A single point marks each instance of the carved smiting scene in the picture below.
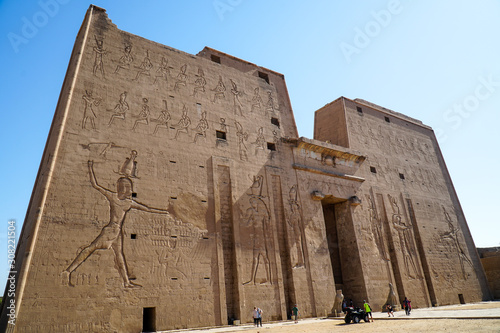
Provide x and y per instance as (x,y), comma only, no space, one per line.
(454,236)
(111,236)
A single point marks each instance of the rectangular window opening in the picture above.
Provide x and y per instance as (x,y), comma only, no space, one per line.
(387,119)
(271,146)
(220,135)
(264,76)
(402,176)
(134,195)
(359,109)
(215,58)
(133,236)
(275,121)
(373,170)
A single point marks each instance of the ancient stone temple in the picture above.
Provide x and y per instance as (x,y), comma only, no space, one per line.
(174,192)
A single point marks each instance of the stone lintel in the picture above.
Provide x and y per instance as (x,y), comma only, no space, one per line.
(325,148)
(303,167)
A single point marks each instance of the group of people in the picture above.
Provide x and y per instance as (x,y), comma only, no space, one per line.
(257,312)
(407,306)
(368,310)
(257,315)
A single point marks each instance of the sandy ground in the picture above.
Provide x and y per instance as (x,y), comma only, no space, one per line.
(478,317)
(399,326)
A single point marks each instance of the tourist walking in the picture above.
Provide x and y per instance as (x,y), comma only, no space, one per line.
(255,315)
(295,312)
(389,310)
(406,306)
(368,310)
(259,317)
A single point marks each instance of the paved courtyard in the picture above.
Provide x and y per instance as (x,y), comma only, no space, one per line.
(477,317)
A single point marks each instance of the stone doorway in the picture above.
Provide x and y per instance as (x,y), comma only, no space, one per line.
(330,206)
(149,320)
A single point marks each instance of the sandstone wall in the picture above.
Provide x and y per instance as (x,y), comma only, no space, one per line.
(410,227)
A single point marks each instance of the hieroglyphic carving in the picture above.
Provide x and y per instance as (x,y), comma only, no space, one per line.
(260,142)
(199,83)
(129,166)
(376,227)
(405,240)
(183,124)
(120,109)
(126,59)
(181,78)
(270,107)
(177,246)
(256,100)
(276,136)
(111,236)
(257,217)
(223,125)
(295,224)
(144,67)
(88,113)
(99,53)
(454,236)
(144,115)
(163,70)
(107,146)
(219,90)
(236,97)
(201,128)
(163,118)
(242,137)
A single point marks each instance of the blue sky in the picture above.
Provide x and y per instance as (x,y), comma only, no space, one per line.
(437,61)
